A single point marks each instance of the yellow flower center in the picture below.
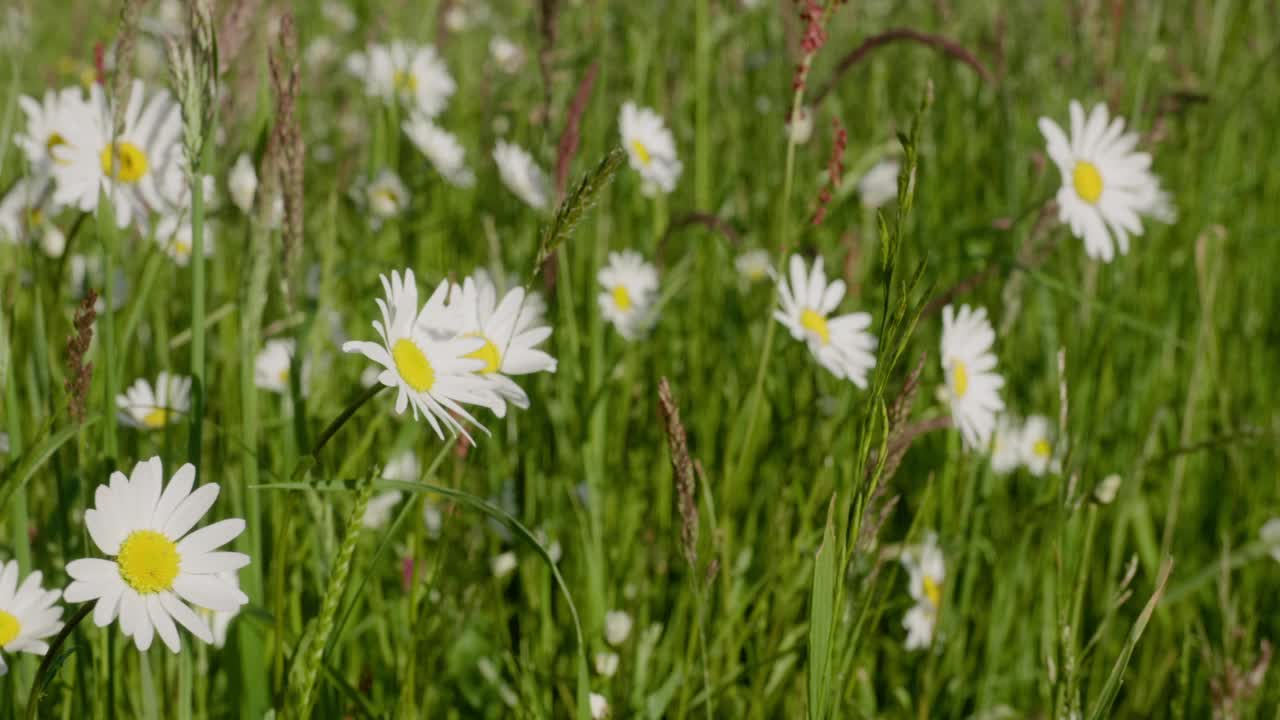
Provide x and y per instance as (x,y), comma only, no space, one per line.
(35,217)
(55,139)
(1088,181)
(284,376)
(385,199)
(127,164)
(621,298)
(489,354)
(932,591)
(148,561)
(959,378)
(157,418)
(413,366)
(88,77)
(9,628)
(641,152)
(405,81)
(182,248)
(1041,448)
(816,324)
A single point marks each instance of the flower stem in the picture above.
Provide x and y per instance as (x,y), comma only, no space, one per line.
(38,685)
(197,311)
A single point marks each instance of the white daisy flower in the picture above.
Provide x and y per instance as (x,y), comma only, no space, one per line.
(1006,445)
(142,407)
(441,149)
(1270,536)
(415,74)
(504,564)
(378,511)
(320,52)
(630,290)
(973,386)
(134,170)
(617,627)
(23,217)
(841,344)
(220,620)
(800,126)
(28,613)
(242,183)
(1106,491)
(1035,446)
(386,197)
(599,706)
(1106,186)
(403,467)
(431,373)
(507,55)
(926,572)
(753,265)
(522,175)
(51,123)
(273,364)
(650,148)
(339,15)
(606,663)
(159,562)
(507,350)
(176,237)
(880,185)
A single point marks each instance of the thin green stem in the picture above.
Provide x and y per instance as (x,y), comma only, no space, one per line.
(197,312)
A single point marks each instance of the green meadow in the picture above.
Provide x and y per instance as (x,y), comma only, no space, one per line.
(680,510)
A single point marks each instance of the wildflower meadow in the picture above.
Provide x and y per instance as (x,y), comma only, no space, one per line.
(651,359)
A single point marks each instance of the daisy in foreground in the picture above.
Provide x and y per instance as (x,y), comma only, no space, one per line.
(841,344)
(1106,186)
(433,373)
(159,562)
(630,289)
(650,148)
(973,385)
(28,613)
(926,571)
(142,407)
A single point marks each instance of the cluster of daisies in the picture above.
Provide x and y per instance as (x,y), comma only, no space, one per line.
(461,347)
(76,154)
(160,571)
(415,79)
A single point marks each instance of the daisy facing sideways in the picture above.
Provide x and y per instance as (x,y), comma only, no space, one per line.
(926,572)
(508,349)
(630,290)
(432,373)
(142,407)
(49,123)
(274,363)
(1106,185)
(841,344)
(28,613)
(522,175)
(973,385)
(650,148)
(158,561)
(442,150)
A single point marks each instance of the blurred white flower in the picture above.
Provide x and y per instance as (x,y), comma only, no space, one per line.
(606,663)
(800,127)
(508,55)
(441,149)
(386,197)
(414,74)
(504,564)
(378,511)
(926,570)
(1036,446)
(1006,447)
(339,15)
(1107,489)
(522,175)
(599,707)
(617,627)
(880,184)
(753,265)
(242,183)
(630,290)
(1270,536)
